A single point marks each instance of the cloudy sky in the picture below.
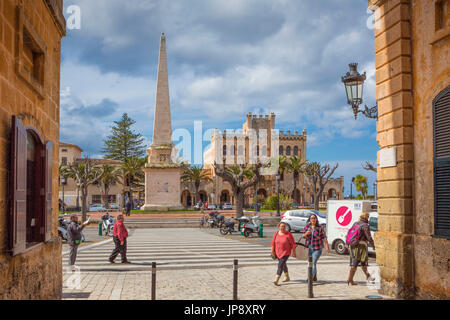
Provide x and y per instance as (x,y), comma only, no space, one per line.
(225,58)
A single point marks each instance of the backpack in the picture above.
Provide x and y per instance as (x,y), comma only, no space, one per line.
(354,235)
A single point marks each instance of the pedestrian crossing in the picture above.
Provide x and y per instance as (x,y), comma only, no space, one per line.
(180,248)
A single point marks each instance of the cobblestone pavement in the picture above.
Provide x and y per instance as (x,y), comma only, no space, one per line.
(188,280)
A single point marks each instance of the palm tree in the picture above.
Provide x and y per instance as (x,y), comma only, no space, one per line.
(85,173)
(361,185)
(63,174)
(296,166)
(110,176)
(196,175)
(133,175)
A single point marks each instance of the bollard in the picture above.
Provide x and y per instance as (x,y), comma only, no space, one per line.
(235,279)
(99,228)
(240,228)
(310,278)
(260,230)
(153,280)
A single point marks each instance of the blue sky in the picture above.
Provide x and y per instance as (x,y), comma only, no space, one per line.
(225,59)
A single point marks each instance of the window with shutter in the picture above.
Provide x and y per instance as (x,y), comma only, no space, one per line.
(48,190)
(30,189)
(18,188)
(441,114)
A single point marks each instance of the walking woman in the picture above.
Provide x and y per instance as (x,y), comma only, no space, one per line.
(359,253)
(316,237)
(283,245)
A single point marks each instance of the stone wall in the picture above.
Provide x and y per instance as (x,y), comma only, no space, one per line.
(35,274)
(412,67)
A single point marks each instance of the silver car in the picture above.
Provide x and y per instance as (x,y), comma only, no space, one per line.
(296,219)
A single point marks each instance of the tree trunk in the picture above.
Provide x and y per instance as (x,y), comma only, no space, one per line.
(295,189)
(239,197)
(83,204)
(78,198)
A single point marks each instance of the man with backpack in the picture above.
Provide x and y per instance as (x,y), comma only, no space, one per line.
(358,238)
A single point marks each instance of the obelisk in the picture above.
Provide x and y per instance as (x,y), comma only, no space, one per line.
(162,175)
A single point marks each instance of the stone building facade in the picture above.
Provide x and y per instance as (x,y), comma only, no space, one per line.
(68,192)
(30,55)
(412,60)
(236,148)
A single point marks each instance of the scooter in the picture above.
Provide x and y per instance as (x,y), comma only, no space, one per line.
(228,227)
(215,219)
(107,224)
(62,229)
(251,227)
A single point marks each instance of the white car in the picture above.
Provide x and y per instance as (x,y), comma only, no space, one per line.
(227,206)
(97,208)
(296,219)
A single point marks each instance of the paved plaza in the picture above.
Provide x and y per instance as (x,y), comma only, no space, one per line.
(196,264)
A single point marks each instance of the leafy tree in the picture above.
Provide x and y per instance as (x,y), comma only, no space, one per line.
(85,173)
(361,185)
(196,175)
(271,203)
(240,177)
(123,142)
(318,176)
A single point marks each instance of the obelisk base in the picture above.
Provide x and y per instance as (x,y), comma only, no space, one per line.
(162,188)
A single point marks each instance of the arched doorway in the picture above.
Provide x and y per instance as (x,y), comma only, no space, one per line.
(225,197)
(203,196)
(186,198)
(262,195)
(332,194)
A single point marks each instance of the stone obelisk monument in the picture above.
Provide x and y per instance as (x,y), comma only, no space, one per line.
(162,175)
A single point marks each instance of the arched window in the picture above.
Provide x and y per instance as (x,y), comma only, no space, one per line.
(441,125)
(281,151)
(224,150)
(288,151)
(295,151)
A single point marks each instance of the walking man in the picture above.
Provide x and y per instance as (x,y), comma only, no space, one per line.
(128,208)
(120,235)
(74,238)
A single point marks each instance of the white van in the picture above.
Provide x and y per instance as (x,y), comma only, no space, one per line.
(341,214)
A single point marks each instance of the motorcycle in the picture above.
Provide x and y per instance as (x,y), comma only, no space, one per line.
(251,227)
(228,227)
(62,229)
(215,220)
(107,224)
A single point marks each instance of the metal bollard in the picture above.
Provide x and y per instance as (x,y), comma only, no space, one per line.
(235,279)
(310,278)
(153,280)
(99,228)
(261,234)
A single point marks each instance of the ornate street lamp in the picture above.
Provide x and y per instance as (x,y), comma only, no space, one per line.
(278,175)
(354,82)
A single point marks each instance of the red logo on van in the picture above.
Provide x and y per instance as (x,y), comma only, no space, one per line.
(343,216)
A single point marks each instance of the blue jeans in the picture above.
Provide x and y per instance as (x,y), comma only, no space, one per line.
(315,256)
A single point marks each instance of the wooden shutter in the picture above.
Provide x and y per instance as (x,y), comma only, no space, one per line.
(18,188)
(441,112)
(48,190)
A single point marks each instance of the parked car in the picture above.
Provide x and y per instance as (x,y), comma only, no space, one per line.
(296,219)
(212,206)
(227,206)
(295,205)
(114,206)
(97,208)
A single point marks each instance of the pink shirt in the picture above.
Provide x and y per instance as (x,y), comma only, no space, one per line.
(283,243)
